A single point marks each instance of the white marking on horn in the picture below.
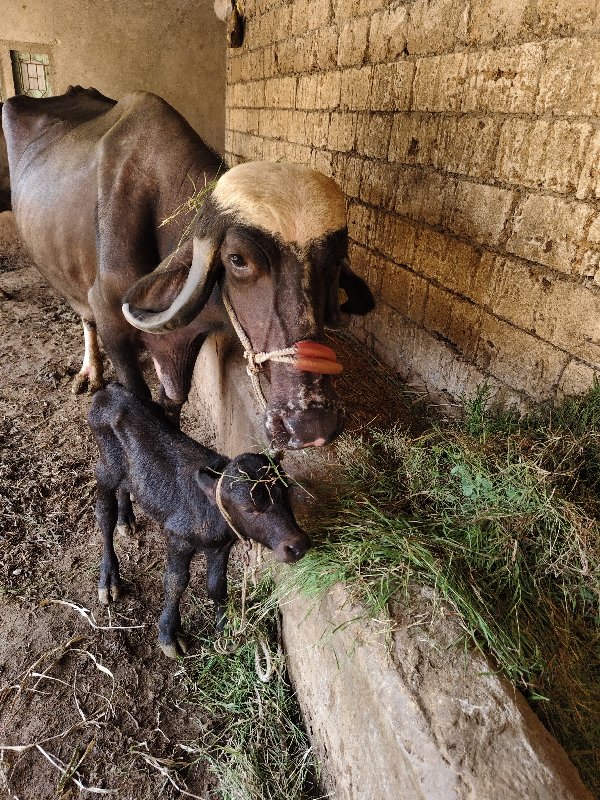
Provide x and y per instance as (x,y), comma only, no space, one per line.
(297,203)
(152,323)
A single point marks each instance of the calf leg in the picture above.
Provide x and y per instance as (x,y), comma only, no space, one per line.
(216,582)
(177,576)
(90,374)
(126,523)
(109,585)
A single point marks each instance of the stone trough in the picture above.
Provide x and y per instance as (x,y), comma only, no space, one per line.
(397,714)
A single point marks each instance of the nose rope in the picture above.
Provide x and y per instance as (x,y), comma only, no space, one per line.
(255,360)
(306,355)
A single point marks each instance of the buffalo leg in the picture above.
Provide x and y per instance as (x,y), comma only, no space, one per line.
(90,375)
(170,407)
(177,576)
(119,340)
(109,585)
(126,523)
(216,582)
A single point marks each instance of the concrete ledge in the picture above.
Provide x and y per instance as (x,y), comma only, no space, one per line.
(393,713)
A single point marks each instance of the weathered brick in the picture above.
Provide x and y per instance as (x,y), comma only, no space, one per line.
(243,119)
(324,49)
(439,82)
(466,145)
(342,131)
(387,34)
(378,184)
(424,195)
(577,378)
(570,79)
(362,224)
(549,230)
(328,91)
(317,128)
(568,315)
(503,80)
(567,17)
(434,25)
(318,91)
(445,259)
(347,171)
(588,184)
(318,13)
(499,21)
(345,9)
(543,154)
(356,89)
(514,289)
(480,212)
(322,160)
(458,321)
(373,134)
(391,86)
(280,92)
(246,95)
(590,262)
(413,138)
(502,346)
(274,124)
(404,291)
(352,43)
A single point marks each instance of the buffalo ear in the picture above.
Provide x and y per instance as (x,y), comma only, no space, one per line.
(175,292)
(360,299)
(207,483)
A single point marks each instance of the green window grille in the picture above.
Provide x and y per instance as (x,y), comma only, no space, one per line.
(31,73)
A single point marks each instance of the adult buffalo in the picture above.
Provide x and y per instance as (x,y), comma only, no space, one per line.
(92,179)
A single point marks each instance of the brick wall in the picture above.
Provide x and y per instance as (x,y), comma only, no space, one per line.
(465,134)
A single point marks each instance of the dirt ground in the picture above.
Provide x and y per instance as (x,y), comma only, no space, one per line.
(104,701)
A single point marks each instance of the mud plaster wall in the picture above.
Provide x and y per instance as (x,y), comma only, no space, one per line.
(467,140)
(175,49)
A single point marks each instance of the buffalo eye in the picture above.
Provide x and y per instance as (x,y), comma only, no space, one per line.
(236,260)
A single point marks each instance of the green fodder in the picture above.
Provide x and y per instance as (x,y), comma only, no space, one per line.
(254,742)
(500,516)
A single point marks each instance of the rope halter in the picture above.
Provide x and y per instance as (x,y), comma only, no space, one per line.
(225,513)
(305,355)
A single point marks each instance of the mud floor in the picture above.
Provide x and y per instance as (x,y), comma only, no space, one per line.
(105,701)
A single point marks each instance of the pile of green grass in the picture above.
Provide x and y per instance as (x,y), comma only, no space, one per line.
(500,515)
(253,740)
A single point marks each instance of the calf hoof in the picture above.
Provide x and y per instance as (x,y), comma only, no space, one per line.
(127,529)
(174,649)
(110,592)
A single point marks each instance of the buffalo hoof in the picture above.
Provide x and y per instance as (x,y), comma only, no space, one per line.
(175,649)
(84,382)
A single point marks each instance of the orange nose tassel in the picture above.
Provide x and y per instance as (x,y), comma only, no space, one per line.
(315,357)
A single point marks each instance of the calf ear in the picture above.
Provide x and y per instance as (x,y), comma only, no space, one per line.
(207,482)
(359,297)
(175,293)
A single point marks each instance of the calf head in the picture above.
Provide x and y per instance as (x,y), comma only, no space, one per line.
(254,494)
(276,236)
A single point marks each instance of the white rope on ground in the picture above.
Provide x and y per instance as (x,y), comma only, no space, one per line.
(225,646)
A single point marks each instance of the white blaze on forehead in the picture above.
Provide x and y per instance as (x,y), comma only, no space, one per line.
(297,203)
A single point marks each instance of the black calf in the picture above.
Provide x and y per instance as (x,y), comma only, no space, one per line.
(174,480)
